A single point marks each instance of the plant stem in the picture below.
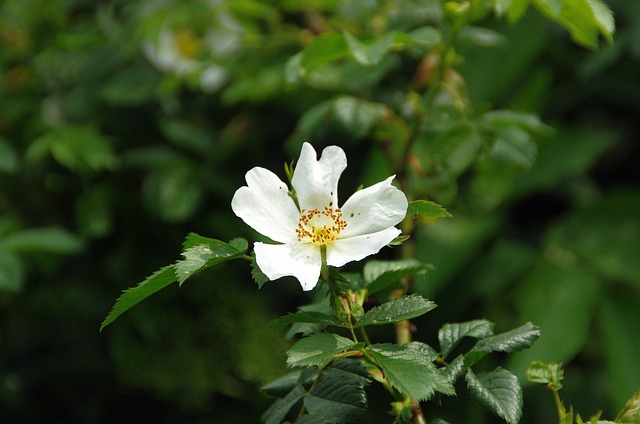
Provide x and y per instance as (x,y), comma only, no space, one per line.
(559,406)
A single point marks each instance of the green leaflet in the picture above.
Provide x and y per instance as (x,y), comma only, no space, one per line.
(499,392)
(406,307)
(131,297)
(310,317)
(409,368)
(317,349)
(199,253)
(44,239)
(333,395)
(281,407)
(509,341)
(428,209)
(379,275)
(450,335)
(338,396)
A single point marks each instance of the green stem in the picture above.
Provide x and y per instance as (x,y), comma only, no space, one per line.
(559,406)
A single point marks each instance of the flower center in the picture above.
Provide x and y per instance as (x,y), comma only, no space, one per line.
(320,227)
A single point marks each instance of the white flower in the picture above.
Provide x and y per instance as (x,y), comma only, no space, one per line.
(361,227)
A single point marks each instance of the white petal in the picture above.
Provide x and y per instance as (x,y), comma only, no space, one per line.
(265,205)
(352,249)
(373,209)
(316,181)
(298,260)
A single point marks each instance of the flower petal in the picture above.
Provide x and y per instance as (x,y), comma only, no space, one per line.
(352,249)
(316,181)
(373,209)
(265,205)
(296,259)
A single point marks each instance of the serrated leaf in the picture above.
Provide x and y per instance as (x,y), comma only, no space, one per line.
(256,273)
(398,240)
(510,341)
(498,391)
(454,369)
(310,317)
(428,209)
(396,310)
(281,407)
(317,349)
(450,335)
(239,243)
(338,396)
(131,297)
(409,368)
(379,275)
(203,252)
(550,374)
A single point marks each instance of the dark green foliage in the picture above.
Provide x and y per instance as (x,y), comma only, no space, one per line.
(108,159)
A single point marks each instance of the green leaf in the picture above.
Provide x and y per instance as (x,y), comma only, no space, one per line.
(406,307)
(499,391)
(378,275)
(131,297)
(338,396)
(550,374)
(372,53)
(308,317)
(256,273)
(11,272)
(399,240)
(356,116)
(510,341)
(426,36)
(323,49)
(46,239)
(409,368)
(281,407)
(630,413)
(317,349)
(455,369)
(77,148)
(427,209)
(584,19)
(450,335)
(203,253)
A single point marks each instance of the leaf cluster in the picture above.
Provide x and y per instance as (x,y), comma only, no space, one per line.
(413,370)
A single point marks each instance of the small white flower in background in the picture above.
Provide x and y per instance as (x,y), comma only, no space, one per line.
(361,227)
(180,51)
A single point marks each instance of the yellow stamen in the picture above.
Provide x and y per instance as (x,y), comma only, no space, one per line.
(320,227)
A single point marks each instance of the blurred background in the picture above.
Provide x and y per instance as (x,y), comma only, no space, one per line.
(126,125)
